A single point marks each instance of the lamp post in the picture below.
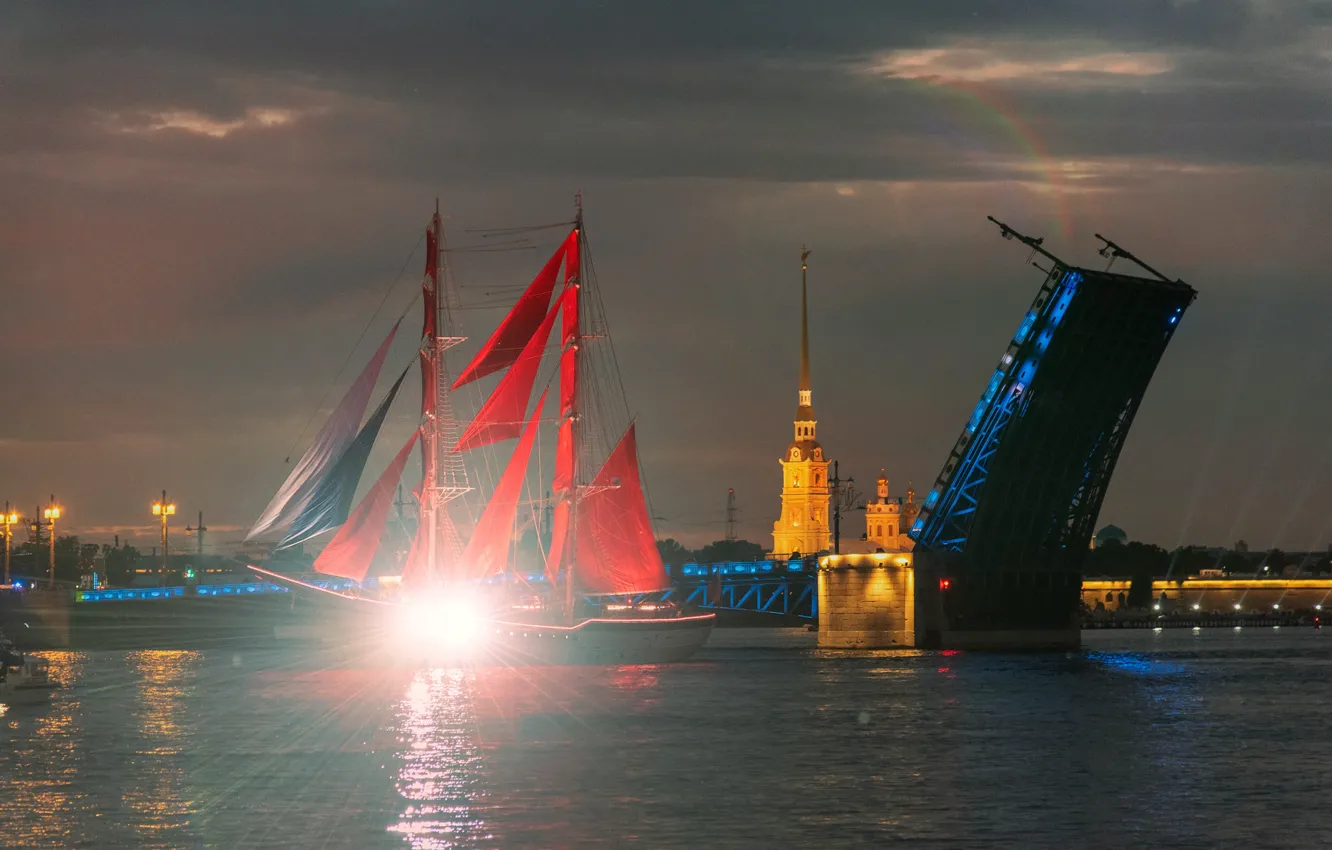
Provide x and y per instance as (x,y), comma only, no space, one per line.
(202,528)
(52,513)
(844,496)
(10,517)
(164,509)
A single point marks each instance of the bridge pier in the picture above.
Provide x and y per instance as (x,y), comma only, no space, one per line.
(894,601)
(867,601)
(1005,610)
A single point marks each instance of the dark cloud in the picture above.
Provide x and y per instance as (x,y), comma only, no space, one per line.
(396,36)
(204,208)
(765,91)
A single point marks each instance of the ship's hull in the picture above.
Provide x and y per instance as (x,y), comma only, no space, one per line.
(333,620)
(502,643)
(600,641)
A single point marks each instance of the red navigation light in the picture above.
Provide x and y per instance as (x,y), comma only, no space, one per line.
(945,583)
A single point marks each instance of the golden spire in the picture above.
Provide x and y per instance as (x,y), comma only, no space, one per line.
(804,328)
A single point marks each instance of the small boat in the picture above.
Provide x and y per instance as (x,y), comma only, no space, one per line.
(23,680)
(600,590)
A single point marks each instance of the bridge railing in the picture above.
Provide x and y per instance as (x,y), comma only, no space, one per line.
(763,587)
(738,569)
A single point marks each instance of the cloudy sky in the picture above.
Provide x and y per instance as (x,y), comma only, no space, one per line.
(203,208)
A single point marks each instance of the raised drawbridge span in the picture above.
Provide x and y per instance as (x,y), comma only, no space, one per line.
(1004,530)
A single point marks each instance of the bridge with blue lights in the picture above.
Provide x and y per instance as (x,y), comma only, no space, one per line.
(758,587)
(1004,531)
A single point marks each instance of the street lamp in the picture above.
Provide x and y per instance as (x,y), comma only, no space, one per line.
(844,495)
(164,509)
(52,513)
(10,517)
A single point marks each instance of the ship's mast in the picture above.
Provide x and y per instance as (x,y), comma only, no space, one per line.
(571,549)
(445,474)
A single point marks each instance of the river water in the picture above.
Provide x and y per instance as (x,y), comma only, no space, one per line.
(1166,739)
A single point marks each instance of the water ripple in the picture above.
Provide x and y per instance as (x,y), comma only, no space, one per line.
(1172,740)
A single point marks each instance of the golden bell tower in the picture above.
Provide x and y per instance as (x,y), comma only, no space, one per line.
(803,525)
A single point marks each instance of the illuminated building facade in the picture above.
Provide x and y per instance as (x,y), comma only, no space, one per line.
(887,520)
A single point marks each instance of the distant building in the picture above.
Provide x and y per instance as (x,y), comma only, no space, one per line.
(1109,534)
(888,519)
(805,524)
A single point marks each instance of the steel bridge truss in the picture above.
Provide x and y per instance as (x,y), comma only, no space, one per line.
(792,595)
(1024,483)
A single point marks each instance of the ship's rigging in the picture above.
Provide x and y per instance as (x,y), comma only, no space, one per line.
(600,534)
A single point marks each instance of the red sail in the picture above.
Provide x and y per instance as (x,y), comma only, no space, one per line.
(565,449)
(488,550)
(512,335)
(562,485)
(571,261)
(616,550)
(428,284)
(350,551)
(501,417)
(568,381)
(559,534)
(569,303)
(413,569)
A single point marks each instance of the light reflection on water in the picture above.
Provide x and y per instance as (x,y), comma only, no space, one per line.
(41,765)
(159,801)
(1168,740)
(440,771)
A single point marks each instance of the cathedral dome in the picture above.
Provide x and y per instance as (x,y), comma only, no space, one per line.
(1109,535)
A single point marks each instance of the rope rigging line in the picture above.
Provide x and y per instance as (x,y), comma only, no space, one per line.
(605,379)
(487,232)
(382,301)
(488,461)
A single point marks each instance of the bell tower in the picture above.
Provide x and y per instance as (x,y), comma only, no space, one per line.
(883,519)
(803,524)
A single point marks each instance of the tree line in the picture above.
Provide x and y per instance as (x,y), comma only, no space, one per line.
(674,553)
(73,560)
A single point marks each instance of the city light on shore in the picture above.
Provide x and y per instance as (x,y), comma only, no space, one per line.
(163,508)
(10,517)
(52,513)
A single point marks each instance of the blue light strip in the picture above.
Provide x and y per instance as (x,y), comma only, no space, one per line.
(739,570)
(130,593)
(727,568)
(955,493)
(205,590)
(240,589)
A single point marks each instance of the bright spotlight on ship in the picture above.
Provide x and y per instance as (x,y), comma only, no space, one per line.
(451,623)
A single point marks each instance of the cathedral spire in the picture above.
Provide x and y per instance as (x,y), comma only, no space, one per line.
(803,525)
(806,401)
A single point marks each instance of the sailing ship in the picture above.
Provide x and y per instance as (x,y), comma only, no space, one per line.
(598,599)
